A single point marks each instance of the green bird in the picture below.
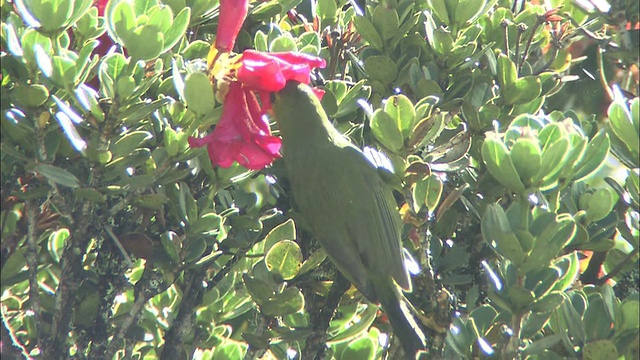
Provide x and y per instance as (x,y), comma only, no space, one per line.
(347,205)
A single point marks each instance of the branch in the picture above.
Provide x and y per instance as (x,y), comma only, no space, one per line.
(316,343)
(70,279)
(32,263)
(618,267)
(111,282)
(183,326)
(149,285)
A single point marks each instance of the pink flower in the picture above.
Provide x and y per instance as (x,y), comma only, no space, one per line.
(232,15)
(101,5)
(242,134)
(270,71)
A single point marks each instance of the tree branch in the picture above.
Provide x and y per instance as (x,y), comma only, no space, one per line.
(32,263)
(149,285)
(184,324)
(316,343)
(70,279)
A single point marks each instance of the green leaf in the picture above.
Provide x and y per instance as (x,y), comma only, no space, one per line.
(386,21)
(360,348)
(507,72)
(596,315)
(366,29)
(348,102)
(170,245)
(427,129)
(467,11)
(198,93)
(177,30)
(283,43)
(350,328)
(229,350)
(206,224)
(523,91)
(314,260)
(496,157)
(121,20)
(433,192)
(13,45)
(552,163)
(386,130)
(442,41)
(58,175)
(520,298)
(633,185)
(439,7)
(195,248)
(89,194)
(284,231)
(287,302)
(151,201)
(497,233)
(541,282)
(56,242)
(31,95)
(526,157)
(600,204)
(30,39)
(542,344)
(326,11)
(630,311)
(259,290)
(160,17)
(620,122)
(284,259)
(13,266)
(569,267)
(144,43)
(594,156)
(400,108)
(600,350)
(551,238)
(129,142)
(483,318)
(381,68)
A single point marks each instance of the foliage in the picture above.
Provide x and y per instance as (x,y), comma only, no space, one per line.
(522,211)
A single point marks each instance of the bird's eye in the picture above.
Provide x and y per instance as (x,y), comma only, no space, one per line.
(272,97)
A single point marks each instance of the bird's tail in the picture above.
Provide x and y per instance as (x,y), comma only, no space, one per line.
(404,327)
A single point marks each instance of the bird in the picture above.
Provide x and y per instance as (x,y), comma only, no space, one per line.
(347,205)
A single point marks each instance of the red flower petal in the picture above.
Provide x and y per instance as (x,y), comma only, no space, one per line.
(232,15)
(101,5)
(242,135)
(271,71)
(319,92)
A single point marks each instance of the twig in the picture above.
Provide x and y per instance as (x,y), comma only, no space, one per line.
(504,23)
(118,245)
(603,76)
(511,351)
(522,27)
(32,263)
(316,342)
(111,282)
(618,268)
(147,287)
(526,49)
(552,58)
(184,324)
(70,279)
